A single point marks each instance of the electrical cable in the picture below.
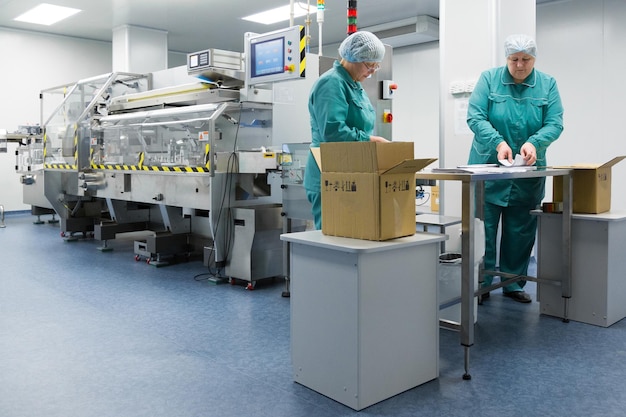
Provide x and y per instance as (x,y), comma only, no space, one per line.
(425,201)
(232,167)
(420,194)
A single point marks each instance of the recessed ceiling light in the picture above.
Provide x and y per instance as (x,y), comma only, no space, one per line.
(46,14)
(280,14)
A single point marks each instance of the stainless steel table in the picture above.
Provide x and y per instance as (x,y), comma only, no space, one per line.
(472,190)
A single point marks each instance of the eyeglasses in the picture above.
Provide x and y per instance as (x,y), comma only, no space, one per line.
(371,67)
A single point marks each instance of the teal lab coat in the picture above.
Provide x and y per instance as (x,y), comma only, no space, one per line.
(500,110)
(340,111)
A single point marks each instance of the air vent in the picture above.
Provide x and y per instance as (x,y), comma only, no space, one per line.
(411,31)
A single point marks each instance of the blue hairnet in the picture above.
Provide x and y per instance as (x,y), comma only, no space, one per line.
(520,43)
(362,46)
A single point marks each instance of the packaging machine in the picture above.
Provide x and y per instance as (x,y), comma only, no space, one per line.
(185,161)
(188,164)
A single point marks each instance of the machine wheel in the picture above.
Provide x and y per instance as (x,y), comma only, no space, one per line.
(250,285)
(137,258)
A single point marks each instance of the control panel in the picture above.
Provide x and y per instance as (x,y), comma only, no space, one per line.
(275,56)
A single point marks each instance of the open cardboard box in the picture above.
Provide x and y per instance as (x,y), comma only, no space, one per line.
(591,185)
(368,189)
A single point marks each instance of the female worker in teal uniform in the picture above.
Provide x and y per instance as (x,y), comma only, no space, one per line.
(513,109)
(339,108)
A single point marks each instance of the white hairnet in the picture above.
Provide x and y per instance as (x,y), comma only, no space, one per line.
(362,46)
(520,43)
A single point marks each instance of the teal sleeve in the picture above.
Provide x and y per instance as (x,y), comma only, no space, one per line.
(552,121)
(485,135)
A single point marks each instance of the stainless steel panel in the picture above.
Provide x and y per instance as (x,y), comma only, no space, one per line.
(257,250)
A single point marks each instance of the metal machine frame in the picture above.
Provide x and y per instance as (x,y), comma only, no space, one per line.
(124,155)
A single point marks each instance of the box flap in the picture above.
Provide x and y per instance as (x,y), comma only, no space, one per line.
(363,156)
(612,162)
(317,156)
(578,166)
(593,166)
(391,154)
(410,165)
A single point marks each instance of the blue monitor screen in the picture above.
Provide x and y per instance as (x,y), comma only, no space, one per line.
(268,57)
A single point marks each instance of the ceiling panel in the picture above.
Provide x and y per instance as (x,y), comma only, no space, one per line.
(193,25)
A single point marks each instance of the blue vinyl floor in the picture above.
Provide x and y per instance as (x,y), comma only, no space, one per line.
(85,333)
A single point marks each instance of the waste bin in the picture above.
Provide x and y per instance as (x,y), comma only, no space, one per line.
(449,277)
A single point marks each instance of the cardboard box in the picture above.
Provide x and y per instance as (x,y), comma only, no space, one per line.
(434,199)
(368,189)
(591,185)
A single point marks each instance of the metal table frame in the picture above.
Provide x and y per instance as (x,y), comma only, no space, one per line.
(472,184)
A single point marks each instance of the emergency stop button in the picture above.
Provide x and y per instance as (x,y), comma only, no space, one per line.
(387,116)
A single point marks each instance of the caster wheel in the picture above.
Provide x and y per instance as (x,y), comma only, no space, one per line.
(250,286)
(148,261)
(137,258)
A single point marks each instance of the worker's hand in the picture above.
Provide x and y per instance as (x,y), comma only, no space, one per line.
(378,139)
(504,152)
(529,153)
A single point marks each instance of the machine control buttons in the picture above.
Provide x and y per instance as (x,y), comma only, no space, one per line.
(388,87)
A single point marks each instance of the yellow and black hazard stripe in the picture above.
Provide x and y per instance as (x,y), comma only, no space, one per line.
(302,52)
(76,143)
(155,168)
(207,155)
(149,168)
(45,143)
(61,166)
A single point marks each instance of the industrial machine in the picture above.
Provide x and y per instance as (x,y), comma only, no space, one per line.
(29,164)
(69,112)
(185,164)
(187,161)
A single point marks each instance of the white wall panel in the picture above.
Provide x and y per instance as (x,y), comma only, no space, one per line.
(416,101)
(33,62)
(581,43)
(613,141)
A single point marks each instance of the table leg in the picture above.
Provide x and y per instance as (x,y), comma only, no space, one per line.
(286,261)
(566,254)
(467,270)
(466,375)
